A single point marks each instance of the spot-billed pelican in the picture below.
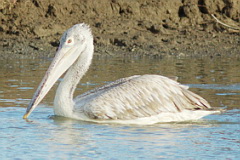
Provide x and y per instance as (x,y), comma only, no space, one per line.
(139,99)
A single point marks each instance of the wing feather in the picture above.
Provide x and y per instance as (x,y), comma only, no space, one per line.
(138,97)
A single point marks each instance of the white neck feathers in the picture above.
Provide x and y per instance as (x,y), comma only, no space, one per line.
(63,102)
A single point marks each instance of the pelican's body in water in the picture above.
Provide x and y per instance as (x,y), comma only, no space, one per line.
(145,99)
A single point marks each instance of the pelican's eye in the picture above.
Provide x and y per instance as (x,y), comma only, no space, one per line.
(69,41)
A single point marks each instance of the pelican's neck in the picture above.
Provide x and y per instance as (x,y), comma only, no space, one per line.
(63,102)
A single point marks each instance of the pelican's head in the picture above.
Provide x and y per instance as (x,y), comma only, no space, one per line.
(74,42)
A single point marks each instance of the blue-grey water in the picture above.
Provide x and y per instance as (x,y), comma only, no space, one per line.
(44,136)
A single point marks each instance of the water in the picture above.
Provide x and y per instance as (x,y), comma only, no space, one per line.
(45,136)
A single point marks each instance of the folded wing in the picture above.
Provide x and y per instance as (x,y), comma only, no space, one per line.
(138,97)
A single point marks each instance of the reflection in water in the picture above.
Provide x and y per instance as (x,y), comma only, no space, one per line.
(43,137)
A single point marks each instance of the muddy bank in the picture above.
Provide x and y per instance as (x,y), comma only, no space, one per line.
(32,28)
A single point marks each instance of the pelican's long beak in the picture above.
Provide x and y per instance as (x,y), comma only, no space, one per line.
(63,59)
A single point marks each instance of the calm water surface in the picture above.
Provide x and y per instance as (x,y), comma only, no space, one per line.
(45,136)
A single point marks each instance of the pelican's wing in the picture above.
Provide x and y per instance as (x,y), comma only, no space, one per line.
(106,87)
(138,97)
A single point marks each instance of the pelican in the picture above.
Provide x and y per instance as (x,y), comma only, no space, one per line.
(139,99)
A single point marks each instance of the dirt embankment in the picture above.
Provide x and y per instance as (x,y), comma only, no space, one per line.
(156,27)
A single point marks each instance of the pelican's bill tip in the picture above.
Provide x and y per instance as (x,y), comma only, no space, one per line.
(25,116)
